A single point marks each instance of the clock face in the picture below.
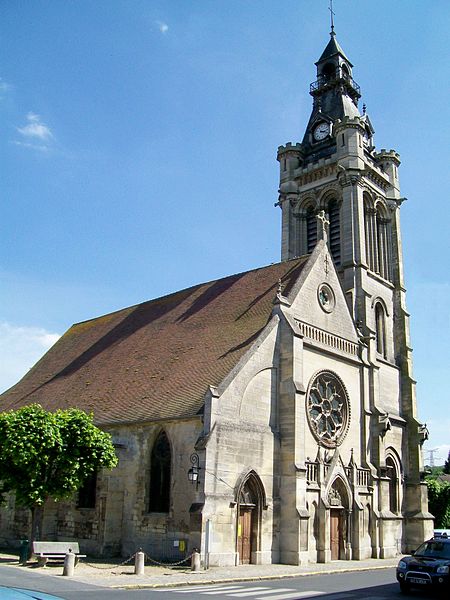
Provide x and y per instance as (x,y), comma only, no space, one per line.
(321,131)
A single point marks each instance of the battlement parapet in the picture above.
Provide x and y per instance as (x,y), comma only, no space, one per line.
(289,147)
(387,156)
(349,122)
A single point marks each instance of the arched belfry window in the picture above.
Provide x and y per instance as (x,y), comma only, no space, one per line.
(311,229)
(369,216)
(382,242)
(380,329)
(334,234)
(329,71)
(378,234)
(160,471)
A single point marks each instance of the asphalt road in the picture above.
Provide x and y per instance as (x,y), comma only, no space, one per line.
(366,585)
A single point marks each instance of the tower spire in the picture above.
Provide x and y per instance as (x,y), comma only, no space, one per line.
(330,8)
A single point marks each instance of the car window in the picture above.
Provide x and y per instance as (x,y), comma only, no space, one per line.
(433,550)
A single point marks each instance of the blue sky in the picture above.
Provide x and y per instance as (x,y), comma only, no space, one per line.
(138,143)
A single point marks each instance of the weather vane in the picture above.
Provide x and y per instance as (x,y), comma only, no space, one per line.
(330,8)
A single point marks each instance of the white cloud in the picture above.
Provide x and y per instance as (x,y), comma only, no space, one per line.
(35,128)
(20,348)
(40,147)
(4,88)
(163,27)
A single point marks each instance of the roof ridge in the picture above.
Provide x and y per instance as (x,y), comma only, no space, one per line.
(187,289)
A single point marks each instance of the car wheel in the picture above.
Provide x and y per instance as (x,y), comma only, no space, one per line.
(404,587)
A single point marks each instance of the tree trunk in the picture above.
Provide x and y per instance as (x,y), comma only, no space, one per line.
(37,518)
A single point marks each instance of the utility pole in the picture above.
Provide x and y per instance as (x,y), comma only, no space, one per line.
(431,458)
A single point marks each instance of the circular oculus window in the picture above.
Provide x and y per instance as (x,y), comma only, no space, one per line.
(328,409)
(326,297)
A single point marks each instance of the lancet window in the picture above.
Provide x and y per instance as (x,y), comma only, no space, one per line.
(393,475)
(380,329)
(160,474)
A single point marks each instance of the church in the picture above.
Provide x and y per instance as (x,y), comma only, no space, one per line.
(269,416)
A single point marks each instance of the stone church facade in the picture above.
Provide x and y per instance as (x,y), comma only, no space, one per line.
(269,416)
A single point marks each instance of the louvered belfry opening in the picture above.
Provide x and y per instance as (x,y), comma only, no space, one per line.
(311,229)
(334,231)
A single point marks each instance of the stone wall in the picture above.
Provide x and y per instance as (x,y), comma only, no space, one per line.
(120,523)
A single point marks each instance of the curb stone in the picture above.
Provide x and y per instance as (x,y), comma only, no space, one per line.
(139,586)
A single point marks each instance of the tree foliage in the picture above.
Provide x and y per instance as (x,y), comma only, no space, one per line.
(439,502)
(49,455)
(447,465)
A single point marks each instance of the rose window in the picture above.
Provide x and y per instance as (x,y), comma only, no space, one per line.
(328,408)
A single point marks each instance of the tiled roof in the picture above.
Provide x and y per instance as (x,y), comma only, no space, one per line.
(157,359)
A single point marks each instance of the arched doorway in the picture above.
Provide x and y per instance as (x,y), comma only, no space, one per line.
(250,500)
(338,502)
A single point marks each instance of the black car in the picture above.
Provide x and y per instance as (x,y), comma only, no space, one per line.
(428,567)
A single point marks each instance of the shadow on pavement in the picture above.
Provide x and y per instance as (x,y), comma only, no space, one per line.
(383,592)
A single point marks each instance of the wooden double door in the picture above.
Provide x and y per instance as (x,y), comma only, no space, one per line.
(245,532)
(337,533)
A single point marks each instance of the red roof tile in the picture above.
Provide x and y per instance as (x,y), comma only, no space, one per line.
(157,359)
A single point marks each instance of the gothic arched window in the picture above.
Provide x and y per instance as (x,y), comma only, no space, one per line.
(160,470)
(392,474)
(380,329)
(334,234)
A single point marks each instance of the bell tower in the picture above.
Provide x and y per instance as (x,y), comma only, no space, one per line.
(336,169)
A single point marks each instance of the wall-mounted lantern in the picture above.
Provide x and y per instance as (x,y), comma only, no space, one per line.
(194,471)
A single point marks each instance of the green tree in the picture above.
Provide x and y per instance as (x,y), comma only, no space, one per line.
(439,502)
(447,465)
(49,455)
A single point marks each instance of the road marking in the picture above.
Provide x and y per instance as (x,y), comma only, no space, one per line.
(204,588)
(239,594)
(251,592)
(220,590)
(296,595)
(241,591)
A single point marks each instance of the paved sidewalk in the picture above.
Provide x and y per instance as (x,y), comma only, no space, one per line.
(112,575)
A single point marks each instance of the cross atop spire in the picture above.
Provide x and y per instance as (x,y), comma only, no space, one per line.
(330,8)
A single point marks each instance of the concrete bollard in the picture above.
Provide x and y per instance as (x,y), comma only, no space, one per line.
(69,564)
(139,562)
(195,562)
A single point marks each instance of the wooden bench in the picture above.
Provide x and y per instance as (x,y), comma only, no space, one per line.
(56,550)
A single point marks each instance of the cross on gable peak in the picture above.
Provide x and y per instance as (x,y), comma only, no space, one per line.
(322,225)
